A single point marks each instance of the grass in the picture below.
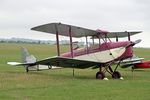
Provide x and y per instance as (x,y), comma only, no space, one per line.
(59,84)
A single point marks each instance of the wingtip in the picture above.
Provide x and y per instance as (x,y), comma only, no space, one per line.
(34,28)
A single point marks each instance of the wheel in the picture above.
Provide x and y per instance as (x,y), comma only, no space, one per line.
(116,75)
(27,69)
(100,75)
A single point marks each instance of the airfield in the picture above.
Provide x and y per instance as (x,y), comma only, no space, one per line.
(59,84)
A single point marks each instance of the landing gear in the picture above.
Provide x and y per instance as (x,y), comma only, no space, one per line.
(100,75)
(107,68)
(116,75)
(49,67)
(27,69)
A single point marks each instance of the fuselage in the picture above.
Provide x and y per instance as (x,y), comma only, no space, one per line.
(105,52)
(144,64)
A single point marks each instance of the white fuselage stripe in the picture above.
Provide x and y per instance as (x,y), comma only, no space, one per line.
(103,56)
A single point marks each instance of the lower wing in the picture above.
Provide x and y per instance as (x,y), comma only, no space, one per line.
(60,62)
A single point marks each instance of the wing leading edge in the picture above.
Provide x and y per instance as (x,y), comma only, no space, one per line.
(63,29)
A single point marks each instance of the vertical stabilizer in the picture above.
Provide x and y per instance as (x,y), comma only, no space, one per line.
(26,57)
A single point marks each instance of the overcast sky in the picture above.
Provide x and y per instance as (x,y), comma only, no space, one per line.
(17,17)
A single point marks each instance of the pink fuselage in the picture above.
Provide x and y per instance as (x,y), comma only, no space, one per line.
(103,47)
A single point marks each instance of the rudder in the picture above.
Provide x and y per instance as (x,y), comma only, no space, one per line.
(26,57)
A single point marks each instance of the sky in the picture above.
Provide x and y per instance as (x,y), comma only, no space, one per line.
(17,17)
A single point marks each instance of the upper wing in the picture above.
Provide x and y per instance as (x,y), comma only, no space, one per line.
(63,29)
(67,62)
(122,34)
(119,34)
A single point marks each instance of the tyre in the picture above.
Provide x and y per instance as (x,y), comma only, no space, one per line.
(116,75)
(100,75)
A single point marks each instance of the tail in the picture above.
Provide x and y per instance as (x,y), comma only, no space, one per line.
(28,60)
(26,57)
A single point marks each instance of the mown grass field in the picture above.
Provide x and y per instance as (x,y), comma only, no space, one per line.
(16,84)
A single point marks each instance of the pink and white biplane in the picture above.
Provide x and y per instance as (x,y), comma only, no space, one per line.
(101,55)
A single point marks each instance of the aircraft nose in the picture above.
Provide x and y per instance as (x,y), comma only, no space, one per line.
(135,42)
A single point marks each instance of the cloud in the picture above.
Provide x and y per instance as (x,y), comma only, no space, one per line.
(116,15)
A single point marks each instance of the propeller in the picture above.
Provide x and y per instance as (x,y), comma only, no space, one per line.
(134,43)
(137,41)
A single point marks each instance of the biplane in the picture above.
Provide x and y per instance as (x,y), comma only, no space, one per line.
(101,55)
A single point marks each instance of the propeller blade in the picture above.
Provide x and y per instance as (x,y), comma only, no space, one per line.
(134,42)
(137,41)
